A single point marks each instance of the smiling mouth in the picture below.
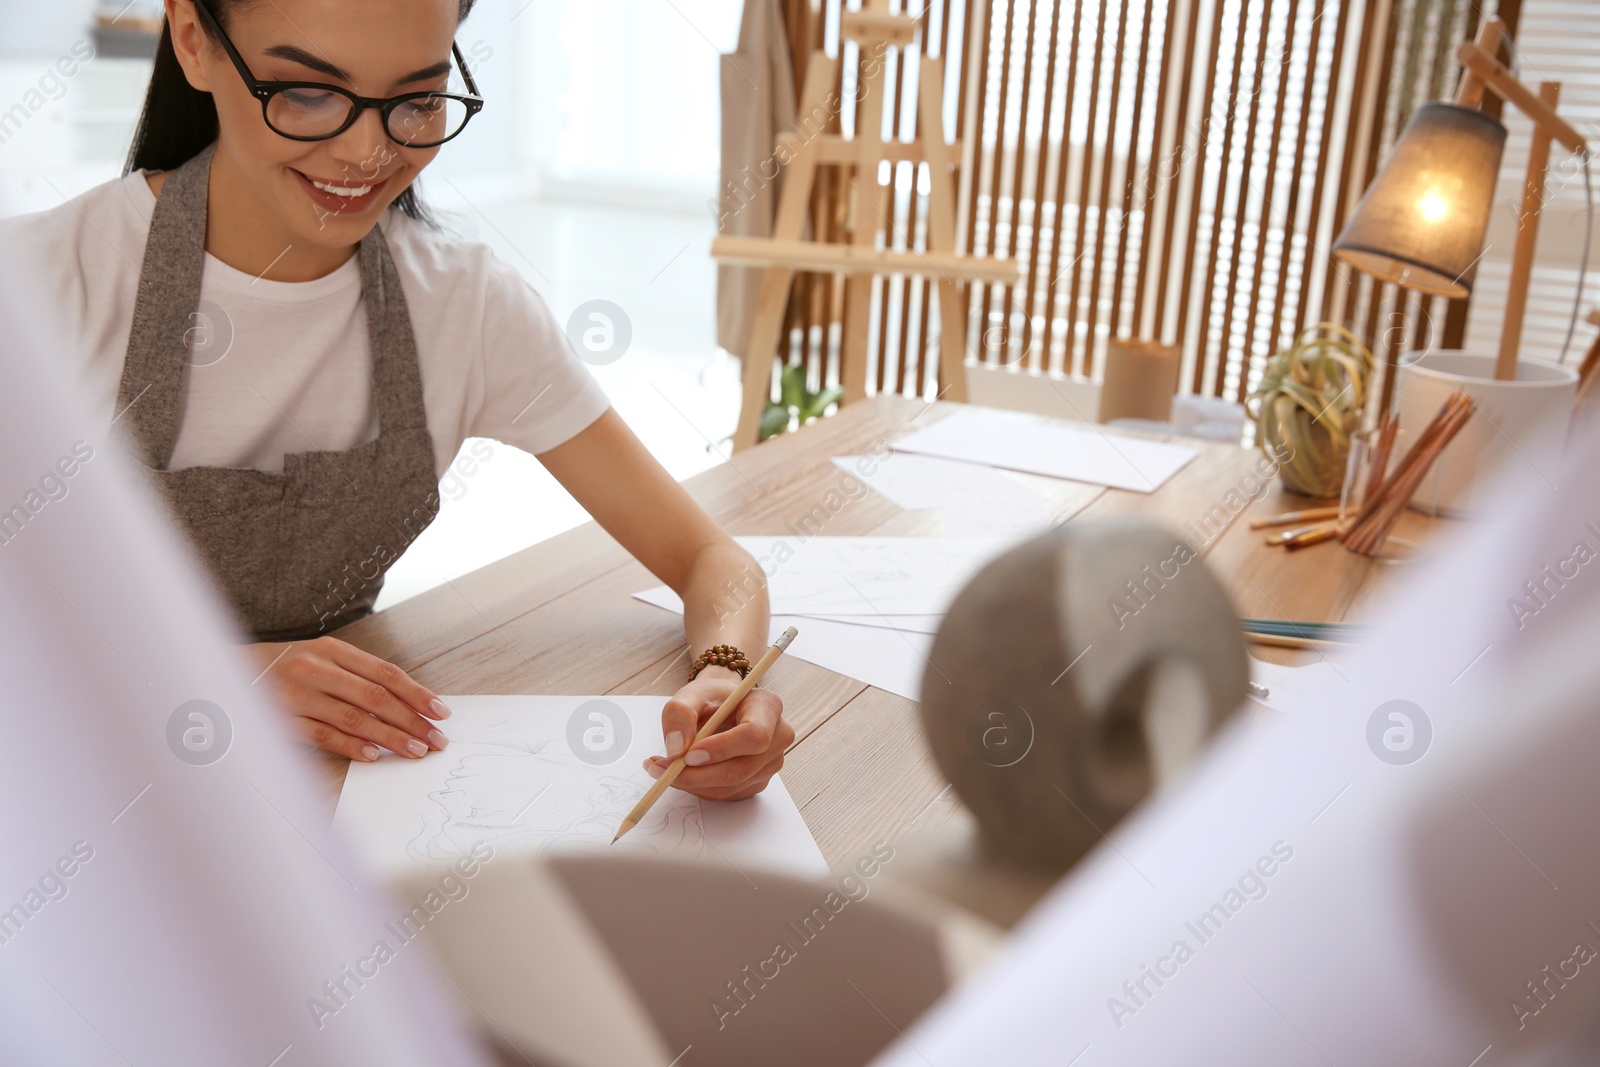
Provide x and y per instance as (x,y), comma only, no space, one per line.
(340,195)
(351,191)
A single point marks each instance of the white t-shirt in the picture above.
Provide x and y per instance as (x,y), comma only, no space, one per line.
(284,366)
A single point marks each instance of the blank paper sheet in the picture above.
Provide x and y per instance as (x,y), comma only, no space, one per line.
(1028,443)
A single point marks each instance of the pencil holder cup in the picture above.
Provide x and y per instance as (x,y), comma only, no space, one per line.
(1521,423)
(1072,676)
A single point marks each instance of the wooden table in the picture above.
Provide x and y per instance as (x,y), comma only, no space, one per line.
(560,618)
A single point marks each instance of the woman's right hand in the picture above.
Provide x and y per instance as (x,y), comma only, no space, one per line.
(349,702)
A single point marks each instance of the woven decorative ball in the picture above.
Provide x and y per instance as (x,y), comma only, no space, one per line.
(1309,402)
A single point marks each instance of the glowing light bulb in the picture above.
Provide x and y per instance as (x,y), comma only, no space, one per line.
(1433,206)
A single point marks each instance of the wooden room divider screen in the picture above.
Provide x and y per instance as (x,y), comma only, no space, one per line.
(1171,170)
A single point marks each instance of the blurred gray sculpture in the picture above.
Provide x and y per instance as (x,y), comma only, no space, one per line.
(1072,676)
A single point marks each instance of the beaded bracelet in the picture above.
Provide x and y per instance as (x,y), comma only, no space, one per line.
(721,656)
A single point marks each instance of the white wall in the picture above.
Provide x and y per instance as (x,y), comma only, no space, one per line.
(35,29)
(621,97)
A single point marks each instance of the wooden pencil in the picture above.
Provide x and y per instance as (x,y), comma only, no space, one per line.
(1379,463)
(1289,518)
(1368,532)
(1312,535)
(718,717)
(1424,440)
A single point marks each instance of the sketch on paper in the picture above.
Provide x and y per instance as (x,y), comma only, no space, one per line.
(512,778)
(523,796)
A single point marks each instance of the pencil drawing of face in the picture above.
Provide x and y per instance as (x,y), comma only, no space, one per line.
(529,795)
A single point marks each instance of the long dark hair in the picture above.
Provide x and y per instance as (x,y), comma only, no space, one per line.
(178,120)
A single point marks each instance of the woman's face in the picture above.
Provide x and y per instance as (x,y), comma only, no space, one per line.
(374,48)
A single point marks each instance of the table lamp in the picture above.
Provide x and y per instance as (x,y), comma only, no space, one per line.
(1422,225)
(1423,220)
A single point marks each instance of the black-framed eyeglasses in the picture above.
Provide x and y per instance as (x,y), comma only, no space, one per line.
(313,111)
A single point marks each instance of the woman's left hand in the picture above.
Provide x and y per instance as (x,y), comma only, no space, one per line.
(736,761)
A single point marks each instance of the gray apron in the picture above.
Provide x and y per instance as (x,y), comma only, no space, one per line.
(299,553)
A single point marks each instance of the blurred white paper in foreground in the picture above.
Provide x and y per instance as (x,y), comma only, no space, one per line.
(171,892)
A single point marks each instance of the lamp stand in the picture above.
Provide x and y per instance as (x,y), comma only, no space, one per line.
(1482,71)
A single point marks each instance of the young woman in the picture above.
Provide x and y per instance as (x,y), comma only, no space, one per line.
(297,354)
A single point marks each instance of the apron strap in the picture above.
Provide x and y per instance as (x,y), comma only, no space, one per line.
(396,369)
(151,390)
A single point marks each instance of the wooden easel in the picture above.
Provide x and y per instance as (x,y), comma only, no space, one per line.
(875,29)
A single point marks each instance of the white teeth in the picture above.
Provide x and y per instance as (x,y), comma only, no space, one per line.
(344,190)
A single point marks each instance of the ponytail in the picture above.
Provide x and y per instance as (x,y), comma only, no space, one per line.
(178,121)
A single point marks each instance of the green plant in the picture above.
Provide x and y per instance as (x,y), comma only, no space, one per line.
(796,404)
(1309,402)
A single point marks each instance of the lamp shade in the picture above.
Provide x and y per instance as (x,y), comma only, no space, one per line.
(1422,222)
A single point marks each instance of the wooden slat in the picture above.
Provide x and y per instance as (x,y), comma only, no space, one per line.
(1292,211)
(1039,356)
(1241,217)
(979,33)
(1202,350)
(1269,209)
(1108,154)
(1062,167)
(1130,181)
(997,179)
(1186,270)
(1146,317)
(1086,198)
(1014,233)
(1182,141)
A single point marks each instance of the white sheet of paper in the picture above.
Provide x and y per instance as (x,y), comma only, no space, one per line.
(975,499)
(1028,443)
(1291,689)
(512,777)
(878,655)
(859,575)
(891,660)
(915,624)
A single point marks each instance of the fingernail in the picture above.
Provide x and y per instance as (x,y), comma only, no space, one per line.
(416,748)
(674,744)
(697,757)
(436,739)
(439,708)
(651,769)
(369,752)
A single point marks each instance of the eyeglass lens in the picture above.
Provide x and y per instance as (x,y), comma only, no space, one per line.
(312,113)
